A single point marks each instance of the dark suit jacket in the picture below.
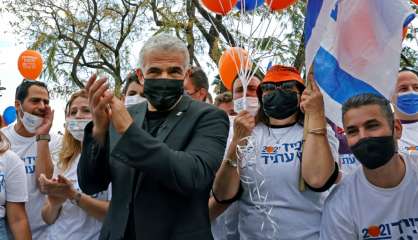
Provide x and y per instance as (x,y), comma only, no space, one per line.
(176,171)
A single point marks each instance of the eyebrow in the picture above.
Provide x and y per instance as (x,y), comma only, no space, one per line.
(38,99)
(371,121)
(177,69)
(365,123)
(154,69)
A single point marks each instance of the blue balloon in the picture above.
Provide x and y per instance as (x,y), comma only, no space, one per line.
(9,115)
(249,5)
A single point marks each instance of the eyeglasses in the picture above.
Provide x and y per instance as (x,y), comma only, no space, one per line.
(193,93)
(285,86)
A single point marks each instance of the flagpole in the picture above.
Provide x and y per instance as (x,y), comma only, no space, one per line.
(302,184)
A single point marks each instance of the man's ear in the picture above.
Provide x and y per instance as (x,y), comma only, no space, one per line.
(188,74)
(18,105)
(140,76)
(397,129)
(204,93)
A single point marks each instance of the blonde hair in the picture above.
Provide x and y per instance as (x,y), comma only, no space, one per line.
(4,143)
(70,146)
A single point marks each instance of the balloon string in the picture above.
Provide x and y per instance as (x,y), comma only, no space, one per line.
(254,179)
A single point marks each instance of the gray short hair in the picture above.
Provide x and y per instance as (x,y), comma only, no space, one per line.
(370,99)
(165,42)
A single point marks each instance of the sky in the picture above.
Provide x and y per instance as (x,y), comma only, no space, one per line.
(10,77)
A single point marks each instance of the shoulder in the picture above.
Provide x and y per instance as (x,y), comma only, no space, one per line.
(339,196)
(202,108)
(7,130)
(411,160)
(11,159)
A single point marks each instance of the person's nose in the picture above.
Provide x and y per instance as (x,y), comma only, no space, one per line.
(362,133)
(164,74)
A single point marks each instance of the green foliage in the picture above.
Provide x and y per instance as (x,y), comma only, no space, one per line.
(79,37)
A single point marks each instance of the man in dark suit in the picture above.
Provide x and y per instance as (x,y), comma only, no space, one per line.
(161,156)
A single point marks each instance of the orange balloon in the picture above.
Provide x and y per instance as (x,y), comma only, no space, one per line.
(221,7)
(30,64)
(276,5)
(415,1)
(232,62)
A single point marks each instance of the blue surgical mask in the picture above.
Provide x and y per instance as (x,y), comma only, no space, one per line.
(407,103)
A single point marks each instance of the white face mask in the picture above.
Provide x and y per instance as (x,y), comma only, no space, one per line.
(250,104)
(30,122)
(132,100)
(76,127)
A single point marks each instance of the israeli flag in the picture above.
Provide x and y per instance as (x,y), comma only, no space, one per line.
(354,47)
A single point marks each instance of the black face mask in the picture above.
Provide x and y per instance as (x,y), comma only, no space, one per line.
(374,152)
(163,93)
(280,104)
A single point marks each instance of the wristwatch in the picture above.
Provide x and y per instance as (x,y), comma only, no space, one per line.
(231,163)
(76,199)
(45,137)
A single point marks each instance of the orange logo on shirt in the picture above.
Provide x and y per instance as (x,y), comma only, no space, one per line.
(374,231)
(412,148)
(269,149)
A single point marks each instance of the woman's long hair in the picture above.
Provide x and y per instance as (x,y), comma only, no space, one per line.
(70,146)
(4,143)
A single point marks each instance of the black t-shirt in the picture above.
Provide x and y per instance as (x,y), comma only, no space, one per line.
(152,123)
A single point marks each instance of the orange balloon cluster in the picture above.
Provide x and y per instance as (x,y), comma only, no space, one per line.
(232,62)
(221,7)
(276,5)
(30,64)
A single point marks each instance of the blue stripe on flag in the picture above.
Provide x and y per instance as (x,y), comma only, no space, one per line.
(312,13)
(336,82)
(334,12)
(408,20)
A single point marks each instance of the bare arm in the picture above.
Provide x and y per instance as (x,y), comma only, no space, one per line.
(43,164)
(216,209)
(227,180)
(18,221)
(317,161)
(94,207)
(61,189)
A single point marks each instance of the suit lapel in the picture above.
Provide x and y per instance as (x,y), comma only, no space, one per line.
(165,129)
(173,118)
(138,114)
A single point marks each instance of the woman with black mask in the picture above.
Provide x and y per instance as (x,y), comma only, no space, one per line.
(264,161)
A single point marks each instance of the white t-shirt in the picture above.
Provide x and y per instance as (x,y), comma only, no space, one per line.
(409,141)
(356,209)
(276,209)
(12,181)
(25,148)
(73,222)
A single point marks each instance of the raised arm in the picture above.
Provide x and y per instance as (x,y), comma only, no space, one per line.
(318,164)
(43,164)
(93,168)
